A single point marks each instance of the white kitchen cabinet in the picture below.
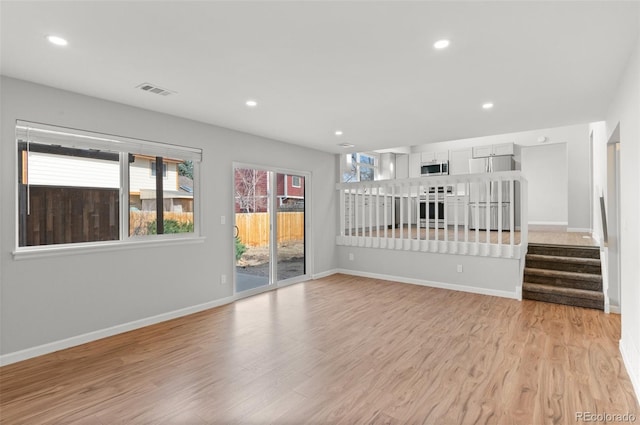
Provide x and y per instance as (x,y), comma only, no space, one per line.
(456,203)
(459,161)
(414,164)
(493,150)
(369,205)
(402,166)
(503,149)
(438,156)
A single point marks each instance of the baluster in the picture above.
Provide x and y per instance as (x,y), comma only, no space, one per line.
(500,188)
(512,226)
(488,184)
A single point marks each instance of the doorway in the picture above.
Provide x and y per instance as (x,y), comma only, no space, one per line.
(270,228)
(613,218)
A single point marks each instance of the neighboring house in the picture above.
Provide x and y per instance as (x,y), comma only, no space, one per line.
(290,191)
(177,190)
(252,188)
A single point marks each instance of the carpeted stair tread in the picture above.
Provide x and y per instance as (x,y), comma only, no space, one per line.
(569,264)
(559,295)
(564,250)
(560,274)
(557,258)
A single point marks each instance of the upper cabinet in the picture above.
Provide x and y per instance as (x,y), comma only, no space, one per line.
(434,156)
(402,166)
(414,164)
(459,161)
(493,150)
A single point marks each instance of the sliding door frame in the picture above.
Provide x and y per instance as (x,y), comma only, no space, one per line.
(273,232)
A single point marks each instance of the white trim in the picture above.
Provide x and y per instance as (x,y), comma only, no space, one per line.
(615,309)
(548,223)
(293,280)
(73,341)
(579,229)
(325,273)
(91,247)
(631,359)
(421,282)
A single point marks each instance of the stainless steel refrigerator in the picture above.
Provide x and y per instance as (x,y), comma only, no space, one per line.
(478,193)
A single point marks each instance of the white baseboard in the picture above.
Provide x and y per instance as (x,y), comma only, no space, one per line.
(450,286)
(579,229)
(631,358)
(548,223)
(325,274)
(51,347)
(615,309)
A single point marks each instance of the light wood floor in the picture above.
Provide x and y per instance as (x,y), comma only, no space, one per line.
(340,350)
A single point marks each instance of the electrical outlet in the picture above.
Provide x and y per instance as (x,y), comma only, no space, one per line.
(223,279)
(223,219)
(459,268)
(351,257)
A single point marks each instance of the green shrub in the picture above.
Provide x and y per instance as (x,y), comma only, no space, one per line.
(170,226)
(240,248)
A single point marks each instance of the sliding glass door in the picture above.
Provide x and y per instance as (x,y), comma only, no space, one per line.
(252,228)
(269,248)
(290,226)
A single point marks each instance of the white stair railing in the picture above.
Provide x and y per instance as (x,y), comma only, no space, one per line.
(471,214)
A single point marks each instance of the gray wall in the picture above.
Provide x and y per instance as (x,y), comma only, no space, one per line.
(545,168)
(49,299)
(487,275)
(624,111)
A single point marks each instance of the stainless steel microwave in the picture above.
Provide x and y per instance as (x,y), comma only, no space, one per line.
(435,168)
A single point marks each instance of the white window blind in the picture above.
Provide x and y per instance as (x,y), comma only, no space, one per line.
(30,132)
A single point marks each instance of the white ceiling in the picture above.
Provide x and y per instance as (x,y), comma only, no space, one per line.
(367,68)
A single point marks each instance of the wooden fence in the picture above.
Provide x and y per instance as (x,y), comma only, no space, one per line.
(139,220)
(253,228)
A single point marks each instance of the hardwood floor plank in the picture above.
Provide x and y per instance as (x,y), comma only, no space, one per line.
(339,350)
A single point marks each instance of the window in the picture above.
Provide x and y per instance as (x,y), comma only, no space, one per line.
(360,167)
(70,184)
(295,181)
(153,169)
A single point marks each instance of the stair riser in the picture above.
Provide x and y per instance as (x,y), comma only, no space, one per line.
(564,283)
(562,299)
(567,267)
(561,251)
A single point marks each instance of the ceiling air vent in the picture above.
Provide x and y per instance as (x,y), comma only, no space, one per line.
(154,89)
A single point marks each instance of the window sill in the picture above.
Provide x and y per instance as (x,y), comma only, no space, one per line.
(91,247)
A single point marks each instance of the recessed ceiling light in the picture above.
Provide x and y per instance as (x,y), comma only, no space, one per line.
(487,105)
(441,44)
(346,145)
(251,103)
(58,41)
(338,132)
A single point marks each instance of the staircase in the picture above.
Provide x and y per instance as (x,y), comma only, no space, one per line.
(561,274)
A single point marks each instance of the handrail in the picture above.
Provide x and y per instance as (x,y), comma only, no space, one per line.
(475,214)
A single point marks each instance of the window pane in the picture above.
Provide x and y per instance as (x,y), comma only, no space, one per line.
(366,159)
(177,196)
(350,175)
(67,195)
(366,174)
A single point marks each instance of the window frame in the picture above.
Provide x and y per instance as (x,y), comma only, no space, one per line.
(110,143)
(293,184)
(349,162)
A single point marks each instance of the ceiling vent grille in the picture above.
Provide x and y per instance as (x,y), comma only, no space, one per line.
(151,88)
